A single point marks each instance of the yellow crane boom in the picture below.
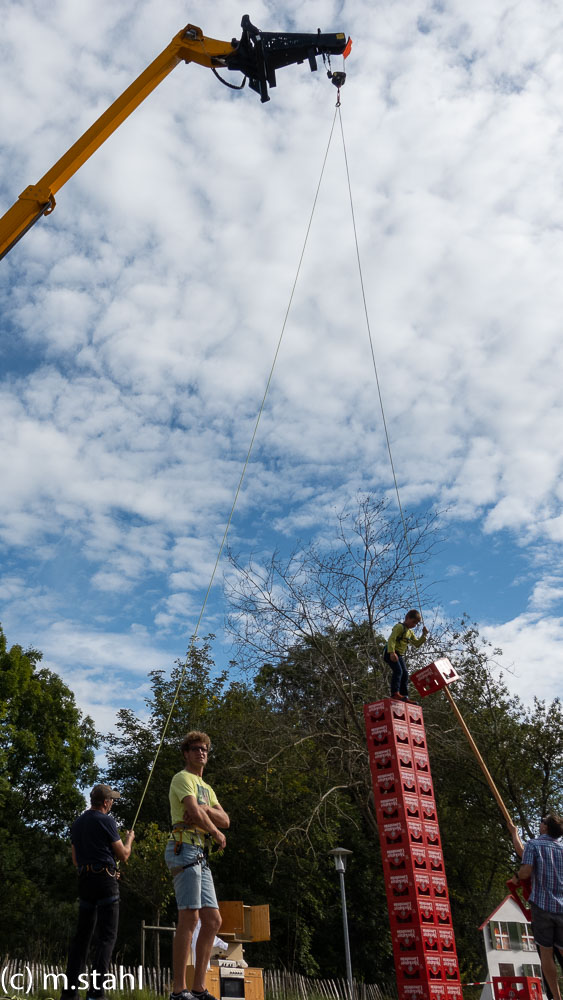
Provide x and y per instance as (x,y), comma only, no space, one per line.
(257,54)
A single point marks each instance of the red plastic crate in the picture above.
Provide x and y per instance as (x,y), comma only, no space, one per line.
(412,805)
(396,858)
(426,911)
(403,913)
(386,783)
(435,858)
(451,968)
(417,736)
(428,809)
(434,968)
(430,939)
(415,832)
(423,884)
(443,913)
(434,677)
(389,807)
(517,988)
(419,858)
(407,939)
(400,884)
(424,785)
(421,761)
(414,715)
(422,991)
(393,833)
(410,968)
(446,940)
(431,834)
(374,712)
(439,885)
(381,760)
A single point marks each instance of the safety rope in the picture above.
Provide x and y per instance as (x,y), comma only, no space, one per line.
(241,480)
(379,393)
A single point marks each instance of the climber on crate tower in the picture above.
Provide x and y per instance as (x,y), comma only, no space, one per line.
(395,650)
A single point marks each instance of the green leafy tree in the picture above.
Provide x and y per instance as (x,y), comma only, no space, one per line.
(46,755)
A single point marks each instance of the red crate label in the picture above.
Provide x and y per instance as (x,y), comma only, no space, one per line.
(404,757)
(403,911)
(410,966)
(439,885)
(408,781)
(393,832)
(381,758)
(429,938)
(418,737)
(398,711)
(422,883)
(421,762)
(432,831)
(426,909)
(411,805)
(401,732)
(375,711)
(446,939)
(454,992)
(414,714)
(418,855)
(385,783)
(406,938)
(429,809)
(436,859)
(438,991)
(389,806)
(380,735)
(443,914)
(416,831)
(413,991)
(399,884)
(396,857)
(451,967)
(425,785)
(434,966)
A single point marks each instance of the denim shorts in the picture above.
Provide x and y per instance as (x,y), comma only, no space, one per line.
(547,927)
(193,886)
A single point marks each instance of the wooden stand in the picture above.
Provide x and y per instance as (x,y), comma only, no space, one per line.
(241,925)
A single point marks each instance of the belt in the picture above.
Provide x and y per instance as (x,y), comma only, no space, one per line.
(91,870)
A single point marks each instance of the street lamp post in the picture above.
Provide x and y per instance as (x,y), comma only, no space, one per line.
(340,855)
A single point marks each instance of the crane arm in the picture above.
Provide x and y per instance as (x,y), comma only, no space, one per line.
(257,55)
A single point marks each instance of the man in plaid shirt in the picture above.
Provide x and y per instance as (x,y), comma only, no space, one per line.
(543,862)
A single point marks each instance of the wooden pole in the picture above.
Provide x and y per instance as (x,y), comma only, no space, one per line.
(480,760)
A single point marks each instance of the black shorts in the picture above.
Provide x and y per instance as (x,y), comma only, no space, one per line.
(547,927)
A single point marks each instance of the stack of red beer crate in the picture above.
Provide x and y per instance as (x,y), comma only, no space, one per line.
(413,864)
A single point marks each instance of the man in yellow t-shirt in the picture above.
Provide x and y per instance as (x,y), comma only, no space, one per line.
(401,637)
(197,821)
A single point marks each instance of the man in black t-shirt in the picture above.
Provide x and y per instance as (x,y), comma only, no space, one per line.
(96,847)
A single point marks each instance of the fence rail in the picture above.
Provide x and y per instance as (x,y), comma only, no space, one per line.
(30,980)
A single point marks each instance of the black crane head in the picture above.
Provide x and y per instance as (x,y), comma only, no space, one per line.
(259,54)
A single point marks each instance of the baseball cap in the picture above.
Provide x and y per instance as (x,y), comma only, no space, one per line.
(101,792)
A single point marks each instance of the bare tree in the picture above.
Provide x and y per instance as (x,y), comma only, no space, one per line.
(308,624)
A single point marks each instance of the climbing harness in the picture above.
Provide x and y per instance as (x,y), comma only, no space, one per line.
(203,855)
(92,870)
(200,860)
(183,828)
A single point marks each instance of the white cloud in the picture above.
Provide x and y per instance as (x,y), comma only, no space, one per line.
(140,320)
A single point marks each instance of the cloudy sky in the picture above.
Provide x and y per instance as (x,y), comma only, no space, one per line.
(139,322)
